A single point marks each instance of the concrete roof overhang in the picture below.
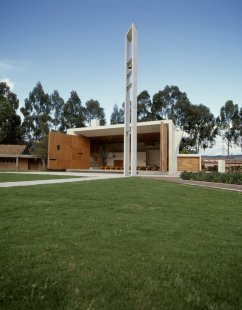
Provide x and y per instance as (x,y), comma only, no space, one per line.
(115,130)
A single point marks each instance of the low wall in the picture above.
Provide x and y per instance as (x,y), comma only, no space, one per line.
(188,162)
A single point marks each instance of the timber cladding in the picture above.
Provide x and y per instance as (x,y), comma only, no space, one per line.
(188,163)
(11,164)
(164,147)
(68,151)
(8,164)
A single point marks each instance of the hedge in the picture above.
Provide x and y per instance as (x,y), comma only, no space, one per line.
(217,177)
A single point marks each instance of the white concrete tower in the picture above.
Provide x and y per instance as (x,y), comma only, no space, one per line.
(130,109)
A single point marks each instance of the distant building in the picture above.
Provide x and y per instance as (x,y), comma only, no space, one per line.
(233,164)
(16,157)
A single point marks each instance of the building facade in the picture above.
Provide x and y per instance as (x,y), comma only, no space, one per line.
(102,147)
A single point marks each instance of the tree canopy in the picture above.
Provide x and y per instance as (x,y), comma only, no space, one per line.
(196,121)
(117,116)
(57,106)
(144,107)
(229,123)
(37,114)
(93,110)
(170,103)
(10,121)
(73,112)
(201,128)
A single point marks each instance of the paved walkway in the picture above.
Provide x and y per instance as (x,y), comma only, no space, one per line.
(83,177)
(223,186)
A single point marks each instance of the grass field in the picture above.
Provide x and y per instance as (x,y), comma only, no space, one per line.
(15,177)
(120,244)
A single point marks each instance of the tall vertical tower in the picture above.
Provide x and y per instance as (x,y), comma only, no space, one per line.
(130,109)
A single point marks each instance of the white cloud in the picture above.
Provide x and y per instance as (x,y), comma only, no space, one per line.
(6,65)
(14,66)
(8,82)
(220,148)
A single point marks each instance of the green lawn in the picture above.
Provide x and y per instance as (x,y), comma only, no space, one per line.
(120,244)
(15,177)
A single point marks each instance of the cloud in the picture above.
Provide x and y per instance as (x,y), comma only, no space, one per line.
(220,148)
(8,82)
(14,66)
(5,65)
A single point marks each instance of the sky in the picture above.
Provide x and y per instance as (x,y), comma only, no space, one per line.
(79,45)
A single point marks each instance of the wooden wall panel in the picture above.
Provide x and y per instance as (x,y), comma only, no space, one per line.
(23,164)
(163,147)
(76,152)
(86,153)
(191,163)
(68,151)
(59,151)
(8,165)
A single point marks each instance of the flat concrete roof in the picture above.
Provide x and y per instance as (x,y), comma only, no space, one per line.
(116,130)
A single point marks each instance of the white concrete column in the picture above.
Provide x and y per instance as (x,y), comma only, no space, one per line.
(130,130)
(134,104)
(126,134)
(221,165)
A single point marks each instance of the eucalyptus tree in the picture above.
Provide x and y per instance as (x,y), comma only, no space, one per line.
(73,113)
(36,112)
(117,116)
(170,103)
(229,123)
(10,121)
(200,127)
(144,107)
(196,121)
(93,110)
(57,105)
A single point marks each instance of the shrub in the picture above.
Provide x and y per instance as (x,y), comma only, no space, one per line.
(185,175)
(217,177)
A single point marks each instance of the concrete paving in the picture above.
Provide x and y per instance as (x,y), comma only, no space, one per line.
(82,177)
(223,186)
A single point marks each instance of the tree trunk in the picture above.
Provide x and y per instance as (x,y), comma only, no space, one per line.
(228,150)
(43,163)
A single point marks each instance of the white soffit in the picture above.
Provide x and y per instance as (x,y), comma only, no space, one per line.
(116,130)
